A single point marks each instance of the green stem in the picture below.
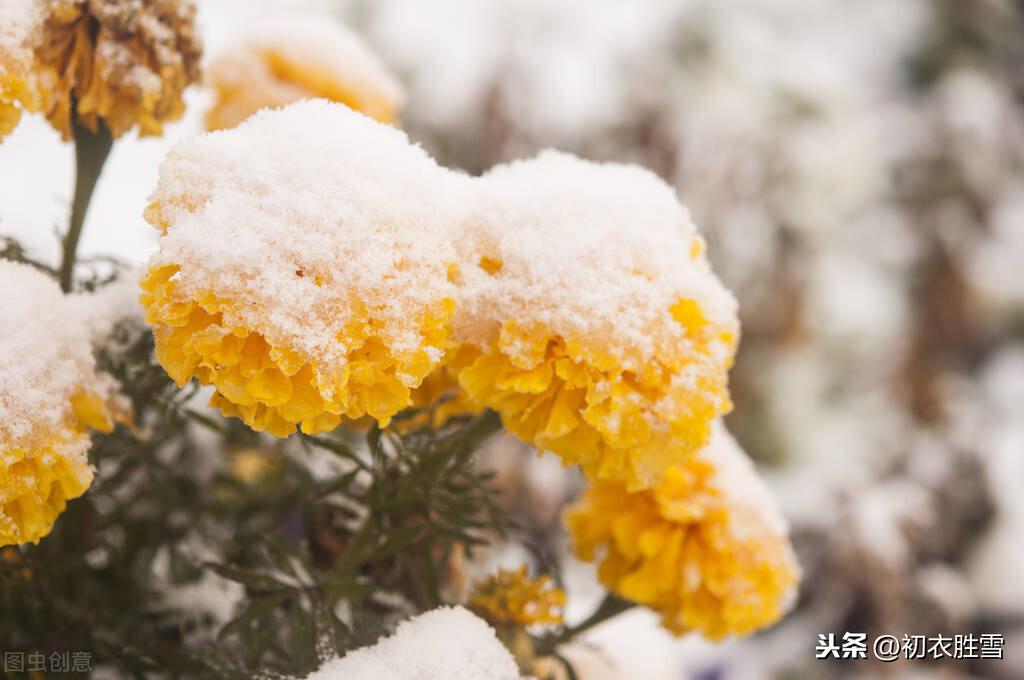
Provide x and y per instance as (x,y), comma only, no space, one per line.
(469,437)
(91,151)
(609,608)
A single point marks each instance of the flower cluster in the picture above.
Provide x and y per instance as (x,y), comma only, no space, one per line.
(315,266)
(300,59)
(120,62)
(571,297)
(706,547)
(49,397)
(510,596)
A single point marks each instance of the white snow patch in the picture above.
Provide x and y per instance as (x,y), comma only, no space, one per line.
(596,252)
(300,213)
(45,357)
(18,21)
(101,310)
(447,643)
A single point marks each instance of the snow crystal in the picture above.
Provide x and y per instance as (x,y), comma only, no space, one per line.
(299,213)
(444,644)
(45,357)
(595,251)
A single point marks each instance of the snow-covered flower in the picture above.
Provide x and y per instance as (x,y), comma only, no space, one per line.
(589,318)
(706,548)
(121,62)
(304,267)
(447,643)
(510,596)
(49,397)
(17,92)
(300,59)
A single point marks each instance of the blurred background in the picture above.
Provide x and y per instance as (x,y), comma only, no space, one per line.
(858,171)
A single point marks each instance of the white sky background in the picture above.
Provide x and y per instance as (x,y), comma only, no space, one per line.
(36,168)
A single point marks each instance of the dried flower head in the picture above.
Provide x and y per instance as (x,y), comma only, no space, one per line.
(49,396)
(589,318)
(300,59)
(510,596)
(706,547)
(304,268)
(122,62)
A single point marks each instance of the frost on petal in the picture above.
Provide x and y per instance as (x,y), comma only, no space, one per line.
(444,644)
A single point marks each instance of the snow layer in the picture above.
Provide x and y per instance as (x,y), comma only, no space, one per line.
(18,20)
(45,357)
(298,215)
(102,310)
(597,252)
(444,644)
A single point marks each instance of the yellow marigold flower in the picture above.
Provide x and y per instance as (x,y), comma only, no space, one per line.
(589,318)
(510,596)
(17,85)
(124,62)
(14,90)
(300,59)
(439,390)
(304,267)
(706,547)
(10,112)
(49,396)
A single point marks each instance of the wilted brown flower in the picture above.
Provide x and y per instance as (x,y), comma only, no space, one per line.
(124,62)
